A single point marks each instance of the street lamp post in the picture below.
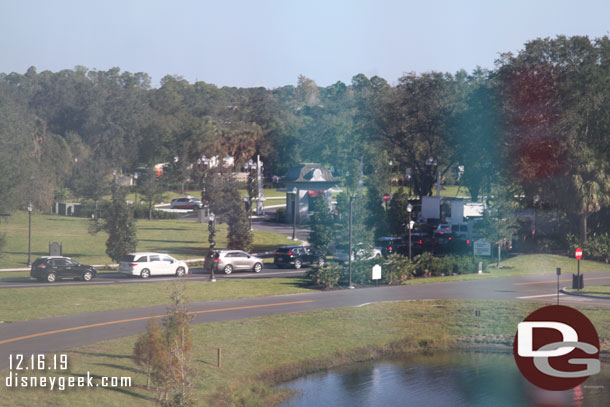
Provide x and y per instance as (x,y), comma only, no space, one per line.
(247,205)
(349,254)
(30,234)
(135,177)
(212,230)
(410,209)
(295,192)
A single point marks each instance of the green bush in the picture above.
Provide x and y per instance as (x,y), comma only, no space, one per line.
(141,212)
(327,276)
(428,265)
(397,268)
(596,248)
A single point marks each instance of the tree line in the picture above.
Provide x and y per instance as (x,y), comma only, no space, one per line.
(533,129)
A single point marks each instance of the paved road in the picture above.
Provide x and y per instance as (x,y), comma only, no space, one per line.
(269,271)
(56,334)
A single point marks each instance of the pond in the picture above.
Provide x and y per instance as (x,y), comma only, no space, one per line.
(441,379)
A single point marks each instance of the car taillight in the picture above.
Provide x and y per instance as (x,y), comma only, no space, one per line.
(441,233)
(390,248)
(467,241)
(290,252)
(217,259)
(448,238)
(42,266)
(133,264)
(421,242)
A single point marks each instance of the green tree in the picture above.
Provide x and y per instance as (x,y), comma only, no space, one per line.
(240,235)
(398,213)
(321,224)
(415,120)
(120,226)
(151,190)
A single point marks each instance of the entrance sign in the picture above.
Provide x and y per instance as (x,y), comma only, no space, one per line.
(482,248)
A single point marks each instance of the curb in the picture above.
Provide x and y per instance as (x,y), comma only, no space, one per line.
(599,297)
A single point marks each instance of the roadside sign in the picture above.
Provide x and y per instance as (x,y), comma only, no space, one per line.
(376,272)
(578,253)
(386,197)
(482,248)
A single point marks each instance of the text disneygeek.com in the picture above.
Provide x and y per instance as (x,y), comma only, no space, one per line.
(20,365)
(15,380)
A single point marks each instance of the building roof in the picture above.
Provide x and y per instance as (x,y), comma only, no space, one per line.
(308,172)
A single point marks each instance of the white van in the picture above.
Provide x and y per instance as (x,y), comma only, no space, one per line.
(146,264)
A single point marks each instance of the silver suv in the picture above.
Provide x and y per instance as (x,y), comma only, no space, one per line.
(228,260)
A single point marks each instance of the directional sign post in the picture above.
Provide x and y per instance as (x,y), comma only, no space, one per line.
(578,255)
(376,275)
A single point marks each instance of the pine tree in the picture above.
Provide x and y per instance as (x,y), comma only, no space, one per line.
(120,226)
(321,224)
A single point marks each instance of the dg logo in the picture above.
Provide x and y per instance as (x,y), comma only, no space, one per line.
(556,348)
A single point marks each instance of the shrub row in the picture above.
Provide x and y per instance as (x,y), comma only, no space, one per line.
(394,269)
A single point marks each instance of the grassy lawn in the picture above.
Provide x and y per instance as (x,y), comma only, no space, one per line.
(169,195)
(21,304)
(446,190)
(181,238)
(260,352)
(523,265)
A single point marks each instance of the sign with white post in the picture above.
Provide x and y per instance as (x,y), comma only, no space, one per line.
(376,272)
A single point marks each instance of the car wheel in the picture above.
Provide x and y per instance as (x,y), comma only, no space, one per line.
(297,264)
(180,271)
(87,276)
(145,273)
(321,262)
(258,267)
(51,277)
(228,269)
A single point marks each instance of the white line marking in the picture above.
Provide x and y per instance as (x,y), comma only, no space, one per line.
(538,296)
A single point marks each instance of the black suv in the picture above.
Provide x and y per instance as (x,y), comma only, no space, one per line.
(51,268)
(296,256)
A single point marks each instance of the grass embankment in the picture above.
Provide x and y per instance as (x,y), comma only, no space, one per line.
(181,238)
(524,264)
(600,290)
(22,304)
(260,352)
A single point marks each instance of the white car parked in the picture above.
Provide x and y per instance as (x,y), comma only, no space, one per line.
(146,264)
(340,254)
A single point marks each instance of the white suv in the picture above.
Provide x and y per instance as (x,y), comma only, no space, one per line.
(147,264)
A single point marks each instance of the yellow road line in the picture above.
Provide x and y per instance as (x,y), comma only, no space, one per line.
(76,328)
(561,281)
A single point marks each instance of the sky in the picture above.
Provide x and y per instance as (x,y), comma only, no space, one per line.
(270,43)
